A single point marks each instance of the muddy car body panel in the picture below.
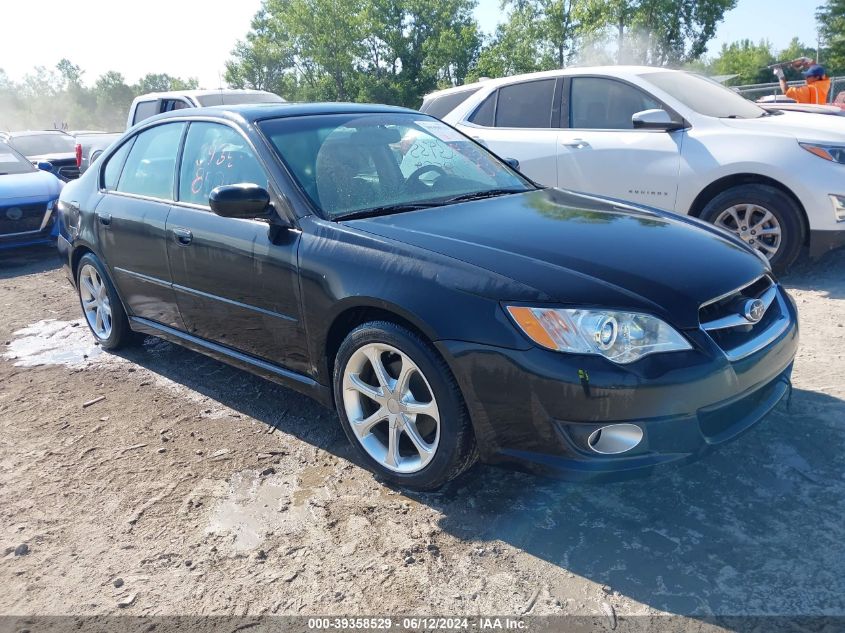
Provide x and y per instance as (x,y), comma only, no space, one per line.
(278,295)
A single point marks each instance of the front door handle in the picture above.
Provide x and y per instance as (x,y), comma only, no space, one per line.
(183,236)
(104,218)
(577,143)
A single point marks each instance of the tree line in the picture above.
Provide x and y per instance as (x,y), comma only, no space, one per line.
(59,98)
(395,51)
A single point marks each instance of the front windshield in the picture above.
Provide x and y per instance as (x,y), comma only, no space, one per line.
(704,95)
(39,144)
(13,163)
(349,164)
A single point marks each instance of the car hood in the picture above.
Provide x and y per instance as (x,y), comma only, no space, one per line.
(576,249)
(33,185)
(804,126)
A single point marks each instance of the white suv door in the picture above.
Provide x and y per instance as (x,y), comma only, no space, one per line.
(518,121)
(601,152)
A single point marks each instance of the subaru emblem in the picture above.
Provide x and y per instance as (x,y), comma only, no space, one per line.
(15,213)
(753,310)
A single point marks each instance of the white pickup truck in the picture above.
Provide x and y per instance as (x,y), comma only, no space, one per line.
(668,139)
(90,146)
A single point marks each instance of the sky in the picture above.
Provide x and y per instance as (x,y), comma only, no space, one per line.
(193,38)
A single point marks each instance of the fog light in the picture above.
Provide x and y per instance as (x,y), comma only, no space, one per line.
(615,438)
(838,207)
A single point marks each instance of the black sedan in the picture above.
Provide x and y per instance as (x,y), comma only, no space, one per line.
(380,261)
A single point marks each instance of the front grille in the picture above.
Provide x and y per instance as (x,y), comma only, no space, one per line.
(724,321)
(24,218)
(721,422)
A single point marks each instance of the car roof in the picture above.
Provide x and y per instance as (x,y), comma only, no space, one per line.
(609,71)
(200,93)
(262,111)
(35,133)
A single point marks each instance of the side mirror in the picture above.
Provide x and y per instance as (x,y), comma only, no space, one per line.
(512,163)
(245,201)
(655,120)
(44,165)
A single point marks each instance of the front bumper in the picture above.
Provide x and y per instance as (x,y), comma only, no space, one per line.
(47,234)
(823,241)
(535,408)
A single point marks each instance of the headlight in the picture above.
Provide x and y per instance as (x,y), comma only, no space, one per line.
(622,337)
(833,153)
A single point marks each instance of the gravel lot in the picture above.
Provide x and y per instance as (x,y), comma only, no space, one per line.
(200,489)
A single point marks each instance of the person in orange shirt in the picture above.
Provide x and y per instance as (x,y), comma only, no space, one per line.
(816,90)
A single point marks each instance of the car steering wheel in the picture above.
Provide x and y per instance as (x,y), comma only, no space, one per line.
(412,181)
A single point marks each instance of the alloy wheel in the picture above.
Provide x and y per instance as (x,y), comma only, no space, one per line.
(755,225)
(95,301)
(391,408)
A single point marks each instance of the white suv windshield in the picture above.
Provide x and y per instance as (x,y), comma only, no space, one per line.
(704,95)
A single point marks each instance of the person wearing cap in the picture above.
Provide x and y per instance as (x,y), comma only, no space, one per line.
(816,89)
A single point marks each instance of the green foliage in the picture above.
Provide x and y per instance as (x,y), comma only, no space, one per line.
(831,17)
(391,51)
(746,59)
(47,98)
(660,32)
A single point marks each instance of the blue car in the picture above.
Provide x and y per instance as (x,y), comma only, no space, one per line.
(27,201)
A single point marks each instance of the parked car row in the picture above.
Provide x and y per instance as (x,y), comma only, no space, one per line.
(671,140)
(67,154)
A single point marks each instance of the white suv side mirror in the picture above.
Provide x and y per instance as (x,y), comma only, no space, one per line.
(655,120)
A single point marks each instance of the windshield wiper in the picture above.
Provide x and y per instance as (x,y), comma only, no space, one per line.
(386,210)
(479,195)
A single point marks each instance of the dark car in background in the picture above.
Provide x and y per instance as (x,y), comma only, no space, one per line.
(28,198)
(47,146)
(385,264)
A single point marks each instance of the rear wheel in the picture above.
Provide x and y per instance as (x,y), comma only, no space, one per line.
(101,306)
(763,217)
(401,407)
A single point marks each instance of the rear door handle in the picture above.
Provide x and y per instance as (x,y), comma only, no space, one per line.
(104,218)
(183,236)
(577,143)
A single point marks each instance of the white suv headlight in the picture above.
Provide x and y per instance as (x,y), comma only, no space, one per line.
(833,153)
(622,337)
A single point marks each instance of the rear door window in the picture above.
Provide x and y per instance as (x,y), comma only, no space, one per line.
(606,104)
(150,168)
(528,104)
(443,105)
(216,155)
(145,109)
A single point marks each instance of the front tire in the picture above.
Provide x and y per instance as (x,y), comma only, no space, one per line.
(101,307)
(763,217)
(401,408)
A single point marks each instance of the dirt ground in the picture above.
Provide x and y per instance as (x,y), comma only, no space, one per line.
(201,489)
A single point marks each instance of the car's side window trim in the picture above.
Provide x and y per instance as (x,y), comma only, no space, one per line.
(672,113)
(564,103)
(556,104)
(178,166)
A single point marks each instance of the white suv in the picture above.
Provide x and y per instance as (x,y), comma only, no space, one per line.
(667,139)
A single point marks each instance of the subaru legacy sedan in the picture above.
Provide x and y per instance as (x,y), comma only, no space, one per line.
(385,264)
